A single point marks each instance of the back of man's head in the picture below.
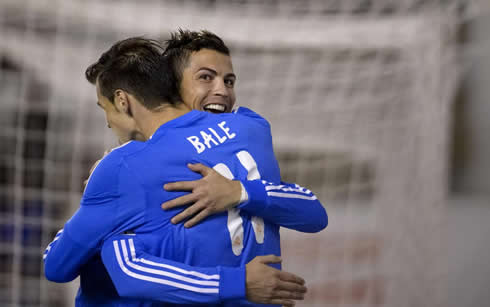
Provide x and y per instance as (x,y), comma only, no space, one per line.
(183,43)
(136,66)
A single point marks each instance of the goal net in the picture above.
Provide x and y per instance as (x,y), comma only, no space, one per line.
(358,93)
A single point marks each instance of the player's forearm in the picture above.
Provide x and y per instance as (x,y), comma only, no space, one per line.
(284,204)
(77,242)
(63,258)
(137,274)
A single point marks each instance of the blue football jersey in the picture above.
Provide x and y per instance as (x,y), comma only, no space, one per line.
(121,233)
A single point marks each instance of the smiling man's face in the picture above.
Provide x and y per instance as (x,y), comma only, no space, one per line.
(208,82)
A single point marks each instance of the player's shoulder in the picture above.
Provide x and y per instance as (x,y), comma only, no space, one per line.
(249,114)
(127,149)
(119,153)
(105,172)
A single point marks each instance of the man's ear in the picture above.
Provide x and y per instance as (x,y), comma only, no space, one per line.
(122,101)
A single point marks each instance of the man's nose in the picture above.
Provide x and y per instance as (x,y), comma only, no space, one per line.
(220,88)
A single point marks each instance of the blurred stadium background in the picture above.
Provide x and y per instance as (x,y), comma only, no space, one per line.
(378,106)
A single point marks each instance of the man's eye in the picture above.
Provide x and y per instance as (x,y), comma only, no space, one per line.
(230,82)
(205,77)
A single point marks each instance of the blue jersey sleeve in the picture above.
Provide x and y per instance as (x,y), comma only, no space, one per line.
(100,215)
(137,274)
(284,204)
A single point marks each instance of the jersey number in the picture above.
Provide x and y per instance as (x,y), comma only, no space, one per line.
(235,221)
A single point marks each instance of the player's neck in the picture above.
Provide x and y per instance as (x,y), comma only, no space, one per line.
(152,120)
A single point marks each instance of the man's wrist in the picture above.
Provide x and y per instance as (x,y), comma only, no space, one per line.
(243,194)
(257,197)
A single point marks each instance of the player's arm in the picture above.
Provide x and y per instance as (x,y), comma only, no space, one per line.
(99,216)
(137,274)
(284,204)
(75,244)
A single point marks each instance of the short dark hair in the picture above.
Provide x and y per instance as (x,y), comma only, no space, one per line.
(183,42)
(136,65)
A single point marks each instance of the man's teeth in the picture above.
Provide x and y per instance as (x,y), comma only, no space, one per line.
(215,107)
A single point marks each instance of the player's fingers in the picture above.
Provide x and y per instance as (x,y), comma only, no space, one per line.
(199,168)
(269,259)
(180,186)
(291,287)
(196,219)
(290,277)
(179,201)
(283,294)
(187,213)
(283,302)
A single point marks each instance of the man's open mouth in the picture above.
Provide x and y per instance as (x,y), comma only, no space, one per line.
(215,108)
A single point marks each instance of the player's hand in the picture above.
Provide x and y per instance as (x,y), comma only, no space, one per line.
(95,165)
(267,285)
(210,195)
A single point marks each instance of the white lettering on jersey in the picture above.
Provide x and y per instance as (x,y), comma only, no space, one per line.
(198,145)
(226,130)
(207,140)
(221,139)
